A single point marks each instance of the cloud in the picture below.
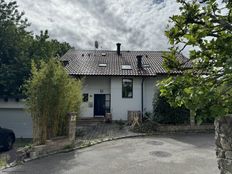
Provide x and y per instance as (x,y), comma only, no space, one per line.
(138,25)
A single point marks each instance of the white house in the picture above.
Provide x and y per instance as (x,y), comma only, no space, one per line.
(116,81)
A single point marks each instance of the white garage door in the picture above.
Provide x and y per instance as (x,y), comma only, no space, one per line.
(18,120)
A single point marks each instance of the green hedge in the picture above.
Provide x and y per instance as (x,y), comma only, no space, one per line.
(163,113)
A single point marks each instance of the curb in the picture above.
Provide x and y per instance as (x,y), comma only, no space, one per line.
(73,149)
(104,140)
(87,145)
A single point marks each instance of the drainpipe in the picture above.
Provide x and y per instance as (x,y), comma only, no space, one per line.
(143,79)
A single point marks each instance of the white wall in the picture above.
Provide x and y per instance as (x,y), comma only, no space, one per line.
(120,106)
(150,89)
(93,85)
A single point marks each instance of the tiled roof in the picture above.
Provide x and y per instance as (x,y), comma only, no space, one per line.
(87,62)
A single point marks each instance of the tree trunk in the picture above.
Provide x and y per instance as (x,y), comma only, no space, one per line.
(192,117)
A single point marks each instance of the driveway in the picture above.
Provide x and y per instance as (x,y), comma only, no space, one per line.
(177,154)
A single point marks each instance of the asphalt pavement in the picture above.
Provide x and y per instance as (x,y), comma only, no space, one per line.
(176,154)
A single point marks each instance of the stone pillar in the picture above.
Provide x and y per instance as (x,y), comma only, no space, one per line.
(223,137)
(108,118)
(72,126)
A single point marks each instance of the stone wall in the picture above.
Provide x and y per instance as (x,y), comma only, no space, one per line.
(185,128)
(223,136)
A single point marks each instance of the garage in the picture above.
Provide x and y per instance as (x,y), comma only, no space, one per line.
(14,116)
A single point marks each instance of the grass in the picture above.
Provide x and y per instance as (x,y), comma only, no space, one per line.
(22,142)
(2,163)
(3,160)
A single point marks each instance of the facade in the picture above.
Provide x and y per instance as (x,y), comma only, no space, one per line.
(116,81)
(103,94)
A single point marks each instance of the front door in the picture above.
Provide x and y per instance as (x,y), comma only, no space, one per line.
(99,105)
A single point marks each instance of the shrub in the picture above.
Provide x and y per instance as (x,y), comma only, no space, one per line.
(163,113)
(51,94)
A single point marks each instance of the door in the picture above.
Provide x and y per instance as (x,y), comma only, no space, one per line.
(18,120)
(99,104)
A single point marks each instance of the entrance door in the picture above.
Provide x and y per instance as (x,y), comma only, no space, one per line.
(99,105)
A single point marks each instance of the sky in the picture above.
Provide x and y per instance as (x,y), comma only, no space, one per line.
(136,24)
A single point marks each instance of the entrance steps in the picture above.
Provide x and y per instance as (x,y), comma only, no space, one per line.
(90,120)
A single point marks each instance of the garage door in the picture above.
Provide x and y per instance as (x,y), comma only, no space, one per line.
(18,120)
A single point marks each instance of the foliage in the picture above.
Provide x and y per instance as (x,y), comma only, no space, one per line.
(51,94)
(163,113)
(18,47)
(146,127)
(206,84)
(3,163)
(44,48)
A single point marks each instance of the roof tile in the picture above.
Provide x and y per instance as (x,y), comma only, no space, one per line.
(86,62)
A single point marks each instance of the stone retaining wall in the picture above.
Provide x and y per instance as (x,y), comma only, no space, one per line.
(223,137)
(185,128)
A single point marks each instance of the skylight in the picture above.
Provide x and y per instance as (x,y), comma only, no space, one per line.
(146,65)
(102,64)
(126,67)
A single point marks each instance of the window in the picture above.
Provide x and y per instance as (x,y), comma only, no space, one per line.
(126,67)
(127,88)
(85,97)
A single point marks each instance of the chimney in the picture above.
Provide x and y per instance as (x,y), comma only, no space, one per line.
(118,49)
(139,61)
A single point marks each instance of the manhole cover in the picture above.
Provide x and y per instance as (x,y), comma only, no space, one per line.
(155,143)
(160,154)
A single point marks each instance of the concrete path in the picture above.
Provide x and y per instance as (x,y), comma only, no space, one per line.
(179,154)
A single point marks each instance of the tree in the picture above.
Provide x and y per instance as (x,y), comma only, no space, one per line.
(43,47)
(51,94)
(206,77)
(18,48)
(13,46)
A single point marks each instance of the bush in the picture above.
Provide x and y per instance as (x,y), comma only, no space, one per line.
(51,94)
(146,127)
(163,113)
(204,116)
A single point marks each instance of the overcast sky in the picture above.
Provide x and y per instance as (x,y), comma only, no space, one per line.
(137,24)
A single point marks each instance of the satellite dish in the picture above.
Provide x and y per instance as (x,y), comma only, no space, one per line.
(96,44)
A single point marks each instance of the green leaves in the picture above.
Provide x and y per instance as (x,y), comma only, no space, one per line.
(207,85)
(18,47)
(51,94)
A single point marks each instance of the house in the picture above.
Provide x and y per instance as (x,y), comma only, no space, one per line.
(116,81)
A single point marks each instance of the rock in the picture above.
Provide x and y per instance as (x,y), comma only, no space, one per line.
(228,155)
(217,140)
(227,166)
(220,153)
(223,141)
(226,145)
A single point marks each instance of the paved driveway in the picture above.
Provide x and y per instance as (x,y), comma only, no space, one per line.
(179,154)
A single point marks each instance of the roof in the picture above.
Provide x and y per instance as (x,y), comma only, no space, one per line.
(86,62)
